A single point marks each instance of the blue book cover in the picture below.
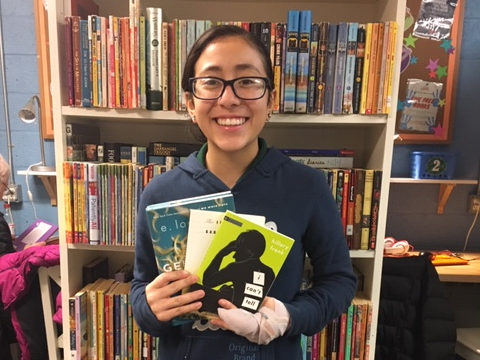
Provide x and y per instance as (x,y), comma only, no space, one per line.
(350,68)
(290,83)
(330,68)
(341,58)
(303,61)
(168,226)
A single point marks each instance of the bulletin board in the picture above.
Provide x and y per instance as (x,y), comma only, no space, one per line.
(428,74)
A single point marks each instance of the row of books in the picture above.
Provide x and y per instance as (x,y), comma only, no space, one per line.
(319,67)
(102,325)
(346,337)
(357,194)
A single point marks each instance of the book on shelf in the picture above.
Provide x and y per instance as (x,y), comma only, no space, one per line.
(358,189)
(376,191)
(303,61)
(154,87)
(318,152)
(350,68)
(378,67)
(165,148)
(383,68)
(321,66)
(372,69)
(339,74)
(77,135)
(366,67)
(367,209)
(290,69)
(94,270)
(359,61)
(321,162)
(241,264)
(330,68)
(277,65)
(312,68)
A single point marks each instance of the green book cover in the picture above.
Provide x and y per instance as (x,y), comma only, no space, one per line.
(241,264)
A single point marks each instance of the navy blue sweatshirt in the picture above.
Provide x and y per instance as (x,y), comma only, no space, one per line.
(297,201)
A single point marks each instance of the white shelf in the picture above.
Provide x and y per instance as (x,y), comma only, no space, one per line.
(446,187)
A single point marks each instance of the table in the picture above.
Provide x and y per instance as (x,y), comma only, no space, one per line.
(469,273)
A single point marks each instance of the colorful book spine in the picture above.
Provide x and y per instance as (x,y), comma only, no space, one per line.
(383,68)
(165,67)
(366,209)
(69,60)
(376,191)
(372,70)
(330,68)
(393,41)
(154,58)
(320,162)
(93,214)
(303,61)
(277,66)
(312,69)
(366,66)
(359,61)
(350,68)
(379,77)
(321,66)
(85,64)
(93,55)
(76,56)
(293,27)
(340,61)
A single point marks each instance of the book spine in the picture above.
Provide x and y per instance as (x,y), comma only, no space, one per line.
(104,63)
(303,61)
(171,149)
(76,56)
(93,19)
(378,68)
(383,68)
(318,152)
(348,332)
(68,197)
(376,191)
(85,64)
(366,66)
(350,68)
(290,68)
(142,57)
(313,56)
(393,42)
(350,208)
(366,209)
(340,61)
(154,87)
(93,215)
(111,101)
(69,60)
(277,66)
(115,25)
(72,321)
(359,61)
(325,161)
(321,61)
(372,70)
(165,68)
(330,68)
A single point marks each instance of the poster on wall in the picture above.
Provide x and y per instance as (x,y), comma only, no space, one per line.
(428,73)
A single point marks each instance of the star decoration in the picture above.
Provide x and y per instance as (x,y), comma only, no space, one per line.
(441,72)
(451,50)
(441,103)
(400,105)
(432,75)
(438,131)
(410,41)
(433,65)
(413,60)
(446,44)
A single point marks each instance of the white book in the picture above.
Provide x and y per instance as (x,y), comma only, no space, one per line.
(153,19)
(202,227)
(320,162)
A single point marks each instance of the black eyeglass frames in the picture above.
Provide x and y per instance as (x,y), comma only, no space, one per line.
(245,87)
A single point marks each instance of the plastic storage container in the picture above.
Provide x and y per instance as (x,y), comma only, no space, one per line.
(432,165)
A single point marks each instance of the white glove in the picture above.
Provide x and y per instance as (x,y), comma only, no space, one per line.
(261,327)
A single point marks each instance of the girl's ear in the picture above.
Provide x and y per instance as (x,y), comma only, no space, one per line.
(190,105)
(271,101)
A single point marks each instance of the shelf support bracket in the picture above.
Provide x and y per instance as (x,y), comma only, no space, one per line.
(443,195)
(50,184)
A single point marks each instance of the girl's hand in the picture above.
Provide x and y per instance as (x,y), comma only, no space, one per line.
(163,297)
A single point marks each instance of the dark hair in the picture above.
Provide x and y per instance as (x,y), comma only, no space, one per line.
(253,242)
(220,32)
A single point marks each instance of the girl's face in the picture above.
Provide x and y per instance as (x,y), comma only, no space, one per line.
(229,123)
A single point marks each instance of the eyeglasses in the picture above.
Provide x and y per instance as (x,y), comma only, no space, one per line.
(245,88)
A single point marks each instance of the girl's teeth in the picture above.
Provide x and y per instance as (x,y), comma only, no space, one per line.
(231,122)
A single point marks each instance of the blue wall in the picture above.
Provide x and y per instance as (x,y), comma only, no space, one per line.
(21,83)
(412,207)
